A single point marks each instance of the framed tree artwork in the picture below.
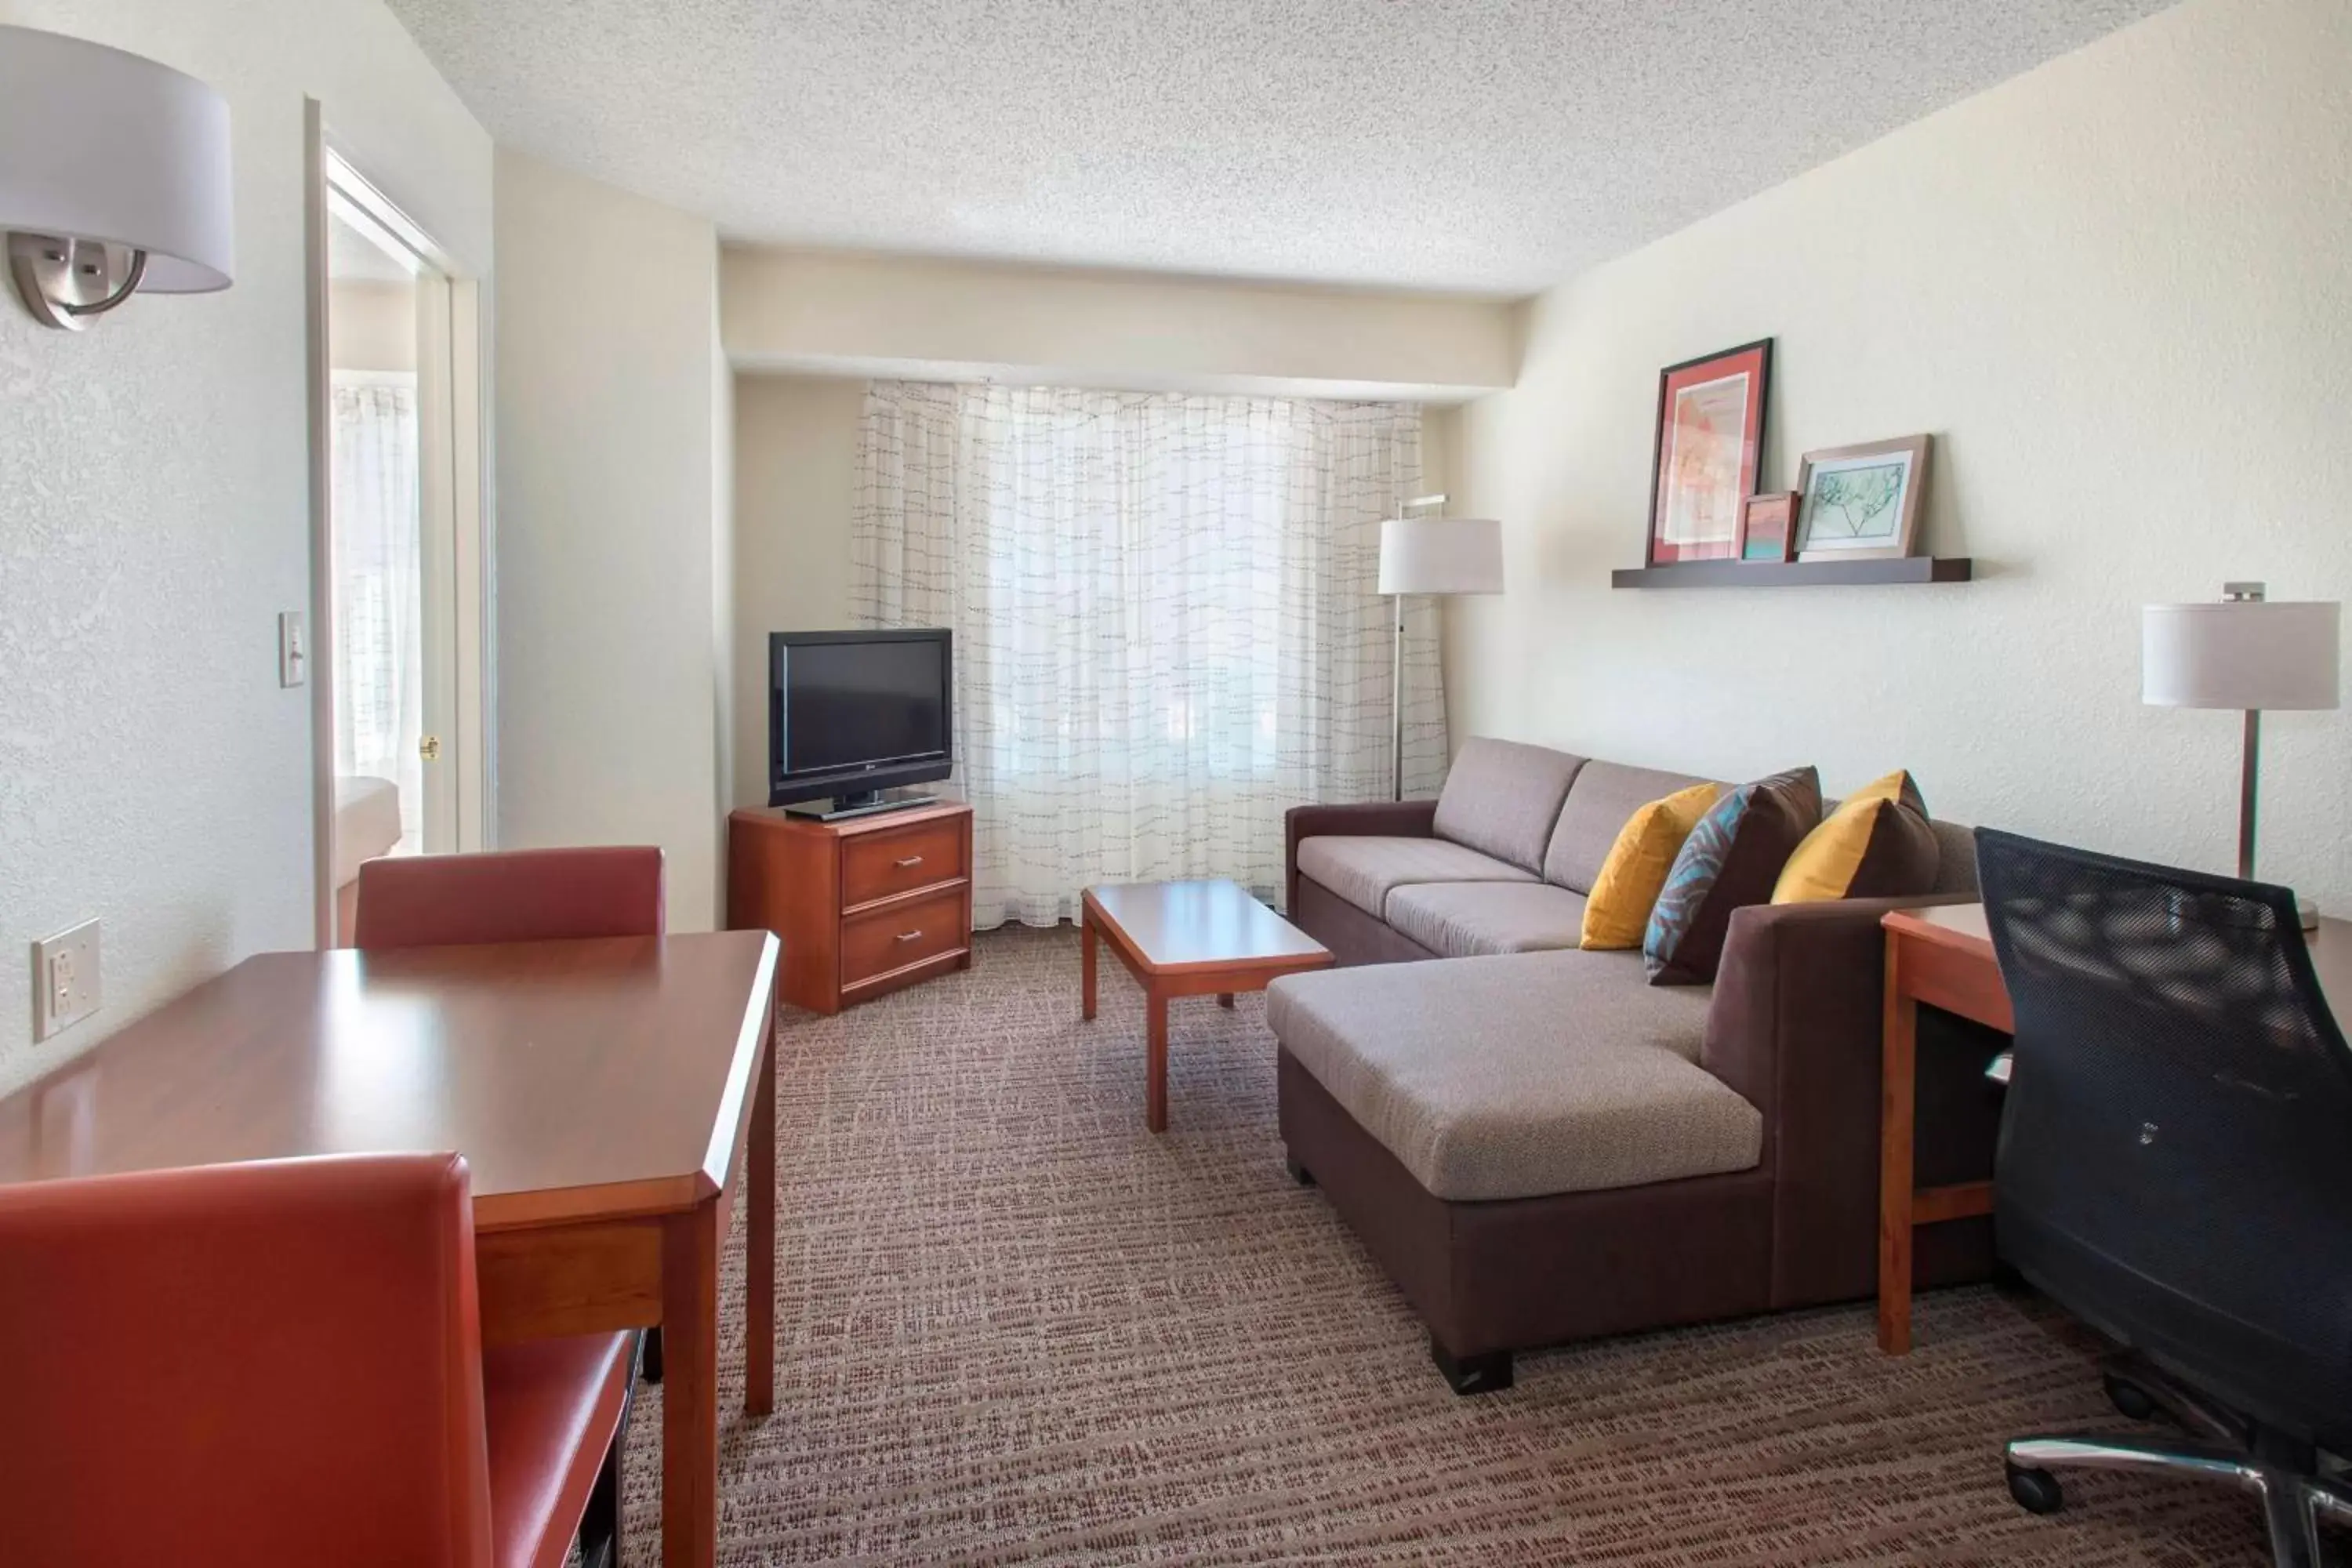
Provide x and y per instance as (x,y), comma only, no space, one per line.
(1710,447)
(1861,503)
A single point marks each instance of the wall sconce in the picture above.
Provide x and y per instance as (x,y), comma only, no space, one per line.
(114,177)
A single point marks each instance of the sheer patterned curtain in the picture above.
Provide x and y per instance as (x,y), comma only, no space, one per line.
(1166,625)
(379,686)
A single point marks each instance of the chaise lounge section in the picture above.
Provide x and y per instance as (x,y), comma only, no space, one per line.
(1540,1146)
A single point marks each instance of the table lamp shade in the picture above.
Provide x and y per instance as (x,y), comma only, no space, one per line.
(2249,654)
(1440,555)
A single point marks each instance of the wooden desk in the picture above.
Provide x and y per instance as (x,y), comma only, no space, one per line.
(599,1090)
(1187,939)
(1943,956)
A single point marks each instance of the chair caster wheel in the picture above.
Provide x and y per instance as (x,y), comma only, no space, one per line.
(2129,1398)
(2036,1491)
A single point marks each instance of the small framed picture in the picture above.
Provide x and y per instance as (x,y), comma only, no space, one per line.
(1768,527)
(1861,503)
(1709,447)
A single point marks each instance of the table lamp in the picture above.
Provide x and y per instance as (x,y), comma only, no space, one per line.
(1431,555)
(2246,653)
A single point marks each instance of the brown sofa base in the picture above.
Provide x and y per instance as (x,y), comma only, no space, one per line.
(1527,1272)
(1493,1278)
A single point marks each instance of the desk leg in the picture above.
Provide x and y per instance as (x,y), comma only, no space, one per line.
(689,1511)
(1155,1090)
(1086,964)
(759,1239)
(1897,1108)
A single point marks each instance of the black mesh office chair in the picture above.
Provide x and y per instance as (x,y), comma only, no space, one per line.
(2175,1168)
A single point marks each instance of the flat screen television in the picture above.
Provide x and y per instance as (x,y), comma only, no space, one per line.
(850,714)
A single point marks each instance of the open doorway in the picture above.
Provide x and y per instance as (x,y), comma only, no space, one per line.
(396,551)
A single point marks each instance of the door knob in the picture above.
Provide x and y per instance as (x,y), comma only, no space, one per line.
(430,748)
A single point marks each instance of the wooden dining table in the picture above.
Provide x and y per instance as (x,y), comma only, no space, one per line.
(608,1096)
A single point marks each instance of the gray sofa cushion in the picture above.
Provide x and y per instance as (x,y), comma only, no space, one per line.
(1520,1075)
(1604,796)
(1364,870)
(1462,920)
(1501,799)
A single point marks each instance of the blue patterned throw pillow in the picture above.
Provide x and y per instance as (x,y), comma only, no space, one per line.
(1732,857)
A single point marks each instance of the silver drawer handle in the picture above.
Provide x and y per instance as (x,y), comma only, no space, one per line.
(909,935)
(909,860)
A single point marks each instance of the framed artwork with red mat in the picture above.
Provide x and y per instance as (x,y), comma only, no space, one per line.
(1709,453)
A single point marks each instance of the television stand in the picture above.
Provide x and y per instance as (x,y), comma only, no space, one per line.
(858,803)
(862,905)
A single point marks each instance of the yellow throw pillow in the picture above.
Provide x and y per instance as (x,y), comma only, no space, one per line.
(1829,864)
(1618,912)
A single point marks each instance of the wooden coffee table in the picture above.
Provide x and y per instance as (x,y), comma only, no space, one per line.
(1188,939)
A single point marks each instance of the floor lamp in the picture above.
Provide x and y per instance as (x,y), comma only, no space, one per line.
(2245,653)
(1431,555)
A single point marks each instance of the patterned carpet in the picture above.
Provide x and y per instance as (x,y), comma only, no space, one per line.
(1016,1328)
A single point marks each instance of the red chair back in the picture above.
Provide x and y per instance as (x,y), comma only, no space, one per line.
(273,1362)
(512,895)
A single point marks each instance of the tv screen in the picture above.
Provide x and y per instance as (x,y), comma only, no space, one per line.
(855,711)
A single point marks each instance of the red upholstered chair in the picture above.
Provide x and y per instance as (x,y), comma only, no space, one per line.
(513,895)
(281,1363)
(509,895)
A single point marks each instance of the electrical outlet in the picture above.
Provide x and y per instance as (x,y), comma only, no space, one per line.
(65,979)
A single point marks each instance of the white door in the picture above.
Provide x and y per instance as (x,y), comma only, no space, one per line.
(391,648)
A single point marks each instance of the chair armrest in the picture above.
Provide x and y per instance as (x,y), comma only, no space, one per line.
(1794,1027)
(1372,819)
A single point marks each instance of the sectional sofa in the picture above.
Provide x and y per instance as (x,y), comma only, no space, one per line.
(1538,1144)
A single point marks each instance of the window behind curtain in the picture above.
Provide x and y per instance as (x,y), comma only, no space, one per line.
(1165,628)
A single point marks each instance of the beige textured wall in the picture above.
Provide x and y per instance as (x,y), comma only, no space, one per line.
(609,513)
(795,475)
(808,312)
(2114,289)
(154,519)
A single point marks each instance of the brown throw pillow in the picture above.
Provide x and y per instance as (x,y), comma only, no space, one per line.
(1733,857)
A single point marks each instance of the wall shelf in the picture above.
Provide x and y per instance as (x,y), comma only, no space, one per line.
(1795,573)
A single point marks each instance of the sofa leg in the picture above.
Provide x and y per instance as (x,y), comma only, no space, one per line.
(1298,1173)
(1486,1373)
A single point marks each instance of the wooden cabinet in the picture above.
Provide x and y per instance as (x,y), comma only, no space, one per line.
(862,905)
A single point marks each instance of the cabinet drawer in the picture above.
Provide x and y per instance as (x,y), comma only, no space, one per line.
(900,859)
(906,933)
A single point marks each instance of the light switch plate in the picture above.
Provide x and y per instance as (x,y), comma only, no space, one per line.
(293,649)
(65,979)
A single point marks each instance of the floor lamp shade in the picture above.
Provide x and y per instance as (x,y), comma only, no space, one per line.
(1431,555)
(2247,653)
(2243,654)
(1440,555)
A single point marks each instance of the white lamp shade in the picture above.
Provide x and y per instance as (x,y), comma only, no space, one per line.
(1440,555)
(95,144)
(2239,654)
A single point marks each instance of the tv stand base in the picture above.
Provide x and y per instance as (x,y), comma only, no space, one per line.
(863,802)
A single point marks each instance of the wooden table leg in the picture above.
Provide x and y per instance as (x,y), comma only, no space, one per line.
(689,1511)
(1224,999)
(1155,1091)
(1087,964)
(1898,1071)
(759,1239)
